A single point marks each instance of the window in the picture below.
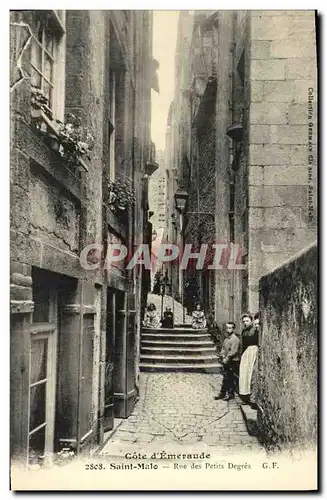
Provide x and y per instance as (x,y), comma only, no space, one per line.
(42,370)
(115,85)
(41,393)
(38,390)
(47,58)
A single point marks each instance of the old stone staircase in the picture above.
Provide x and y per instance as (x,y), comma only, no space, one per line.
(181,349)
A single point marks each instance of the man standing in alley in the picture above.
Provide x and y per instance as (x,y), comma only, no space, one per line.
(229,357)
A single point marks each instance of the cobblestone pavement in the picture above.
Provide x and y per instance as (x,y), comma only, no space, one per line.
(179,409)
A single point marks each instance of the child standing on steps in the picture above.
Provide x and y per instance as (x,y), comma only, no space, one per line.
(229,357)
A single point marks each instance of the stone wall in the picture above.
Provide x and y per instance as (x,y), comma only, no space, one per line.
(288,352)
(281,97)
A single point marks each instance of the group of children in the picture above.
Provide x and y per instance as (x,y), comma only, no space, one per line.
(152,319)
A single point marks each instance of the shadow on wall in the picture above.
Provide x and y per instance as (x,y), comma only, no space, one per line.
(288,353)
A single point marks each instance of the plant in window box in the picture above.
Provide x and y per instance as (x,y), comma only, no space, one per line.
(40,110)
(40,102)
(75,140)
(121,195)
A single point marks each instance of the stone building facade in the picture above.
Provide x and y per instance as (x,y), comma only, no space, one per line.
(157,209)
(157,193)
(75,330)
(243,145)
(177,146)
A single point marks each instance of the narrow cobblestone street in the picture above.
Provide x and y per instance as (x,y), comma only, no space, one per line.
(179,409)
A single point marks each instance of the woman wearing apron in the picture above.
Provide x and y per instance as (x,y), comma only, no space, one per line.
(250,339)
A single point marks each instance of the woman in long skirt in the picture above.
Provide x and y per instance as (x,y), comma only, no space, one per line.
(250,339)
(254,380)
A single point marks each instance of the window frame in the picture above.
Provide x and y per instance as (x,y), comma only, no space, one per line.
(49,332)
(55,21)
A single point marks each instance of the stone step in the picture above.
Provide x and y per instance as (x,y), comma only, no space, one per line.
(178,350)
(185,367)
(175,331)
(178,359)
(177,343)
(171,337)
(187,346)
(181,349)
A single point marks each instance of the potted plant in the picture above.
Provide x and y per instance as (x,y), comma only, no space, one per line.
(75,141)
(121,195)
(40,103)
(40,112)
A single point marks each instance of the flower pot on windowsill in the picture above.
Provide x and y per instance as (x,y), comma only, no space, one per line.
(37,118)
(40,114)
(45,124)
(36,113)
